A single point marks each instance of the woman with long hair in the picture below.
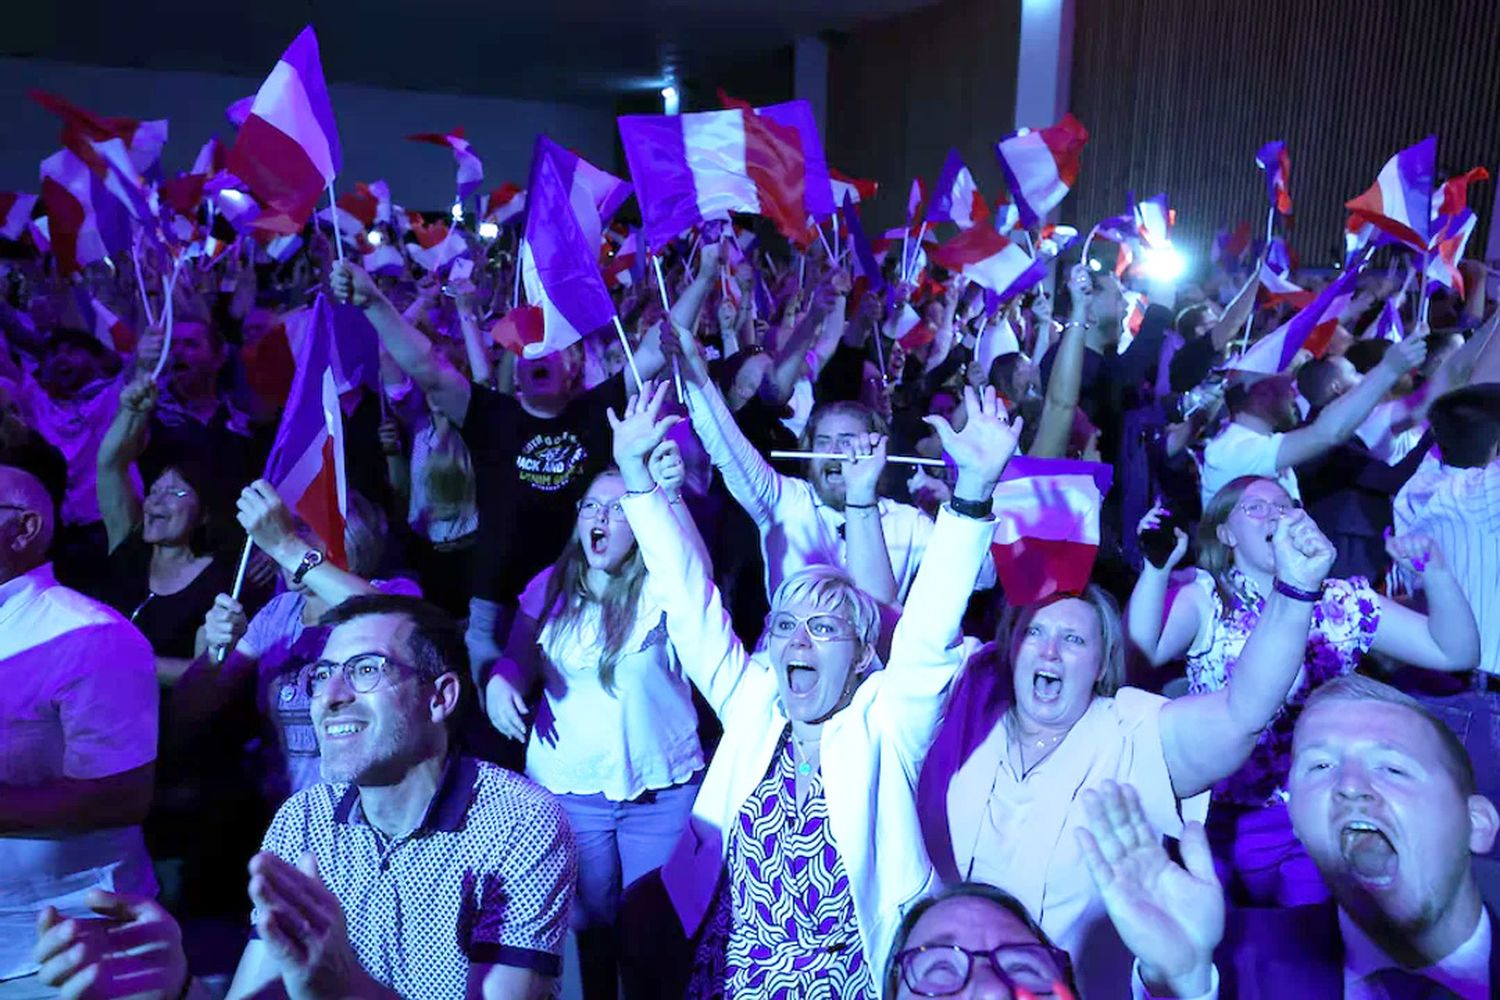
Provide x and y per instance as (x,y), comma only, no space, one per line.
(615,734)
(1207,616)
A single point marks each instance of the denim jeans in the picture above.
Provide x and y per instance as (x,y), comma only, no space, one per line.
(619,843)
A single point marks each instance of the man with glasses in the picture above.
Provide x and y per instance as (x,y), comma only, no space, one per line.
(78,709)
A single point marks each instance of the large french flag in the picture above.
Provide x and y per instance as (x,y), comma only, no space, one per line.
(986,258)
(470,168)
(15,212)
(1047,526)
(691,168)
(1041,166)
(955,197)
(1399,203)
(569,201)
(1311,327)
(1277,163)
(287,150)
(306,464)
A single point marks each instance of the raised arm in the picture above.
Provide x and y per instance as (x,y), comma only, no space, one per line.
(1446,638)
(1067,374)
(1342,417)
(791,360)
(268,522)
(122,444)
(1206,737)
(700,628)
(866,556)
(435,376)
(1159,630)
(1235,314)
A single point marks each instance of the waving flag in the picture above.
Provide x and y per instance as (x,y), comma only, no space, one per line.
(15,212)
(1276,276)
(127,186)
(440,254)
(863,257)
(909,330)
(1453,194)
(1041,166)
(306,464)
(505,203)
(470,169)
(997,339)
(518,329)
(79,213)
(914,199)
(986,258)
(113,332)
(691,168)
(1047,526)
(817,193)
(81,128)
(846,188)
(956,197)
(1448,249)
(1399,203)
(1230,246)
(1388,324)
(1311,327)
(287,150)
(1154,221)
(620,269)
(1007,216)
(1277,163)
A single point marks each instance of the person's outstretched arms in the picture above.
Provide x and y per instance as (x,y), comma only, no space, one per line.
(123,442)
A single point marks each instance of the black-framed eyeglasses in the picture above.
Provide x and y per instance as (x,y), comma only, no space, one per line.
(589,510)
(940,970)
(362,672)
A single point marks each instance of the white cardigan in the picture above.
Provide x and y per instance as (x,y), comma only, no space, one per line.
(872,749)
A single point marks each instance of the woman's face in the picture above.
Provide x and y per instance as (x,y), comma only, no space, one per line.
(816,651)
(975,924)
(602,529)
(171,512)
(1251,524)
(1057,656)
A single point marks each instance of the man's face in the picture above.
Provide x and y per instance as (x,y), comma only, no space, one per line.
(550,377)
(1274,399)
(374,737)
(1381,814)
(195,358)
(834,433)
(69,367)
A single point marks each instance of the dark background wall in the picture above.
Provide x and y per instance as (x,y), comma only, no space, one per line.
(1179,95)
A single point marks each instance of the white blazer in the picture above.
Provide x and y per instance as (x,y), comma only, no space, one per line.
(872,749)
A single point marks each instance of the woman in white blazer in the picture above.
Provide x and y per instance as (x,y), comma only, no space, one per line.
(804,847)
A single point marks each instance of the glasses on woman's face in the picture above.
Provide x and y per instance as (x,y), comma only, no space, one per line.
(165,492)
(822,627)
(589,510)
(940,970)
(1262,510)
(362,672)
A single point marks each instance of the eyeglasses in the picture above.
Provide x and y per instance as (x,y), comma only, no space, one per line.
(589,510)
(15,506)
(362,672)
(942,970)
(821,628)
(1260,510)
(161,493)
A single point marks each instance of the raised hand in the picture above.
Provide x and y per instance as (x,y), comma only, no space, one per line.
(1171,917)
(1414,553)
(1304,555)
(678,344)
(304,928)
(268,522)
(139,394)
(132,949)
(667,467)
(638,432)
(225,623)
(864,461)
(1405,356)
(350,283)
(1152,520)
(148,349)
(983,448)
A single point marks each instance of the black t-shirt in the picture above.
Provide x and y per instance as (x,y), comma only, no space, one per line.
(529,473)
(168,621)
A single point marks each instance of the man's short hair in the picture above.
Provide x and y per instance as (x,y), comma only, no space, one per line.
(1316,379)
(71,336)
(435,642)
(1466,424)
(1356,687)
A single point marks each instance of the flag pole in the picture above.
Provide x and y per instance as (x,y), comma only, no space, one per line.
(221,653)
(629,354)
(661,285)
(1424,303)
(880,354)
(333,211)
(140,282)
(1270,234)
(168,286)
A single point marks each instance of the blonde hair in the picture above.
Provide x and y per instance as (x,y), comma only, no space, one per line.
(831,587)
(1214,556)
(1111,634)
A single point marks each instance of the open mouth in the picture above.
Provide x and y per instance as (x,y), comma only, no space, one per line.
(598,541)
(801,678)
(1046,686)
(342,730)
(1368,852)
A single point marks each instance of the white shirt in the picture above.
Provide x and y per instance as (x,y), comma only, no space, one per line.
(1379,433)
(1241,451)
(641,736)
(1460,510)
(78,699)
(1465,970)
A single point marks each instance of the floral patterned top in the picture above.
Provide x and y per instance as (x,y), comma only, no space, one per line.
(1343,627)
(783,923)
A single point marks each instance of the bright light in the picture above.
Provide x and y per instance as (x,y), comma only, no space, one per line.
(669,99)
(488,230)
(458,211)
(1164,264)
(232,196)
(375,237)
(1094,265)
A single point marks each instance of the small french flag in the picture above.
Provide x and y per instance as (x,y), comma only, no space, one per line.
(1399,203)
(470,169)
(1041,166)
(1047,527)
(956,197)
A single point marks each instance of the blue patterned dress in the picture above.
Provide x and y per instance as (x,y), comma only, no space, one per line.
(782,924)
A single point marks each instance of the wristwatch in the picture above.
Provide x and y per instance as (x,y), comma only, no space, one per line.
(312,558)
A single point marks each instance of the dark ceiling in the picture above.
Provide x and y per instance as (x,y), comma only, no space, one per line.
(588,51)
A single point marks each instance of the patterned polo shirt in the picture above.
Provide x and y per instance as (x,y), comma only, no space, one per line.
(487,877)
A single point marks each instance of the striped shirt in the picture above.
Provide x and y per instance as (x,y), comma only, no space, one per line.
(1460,510)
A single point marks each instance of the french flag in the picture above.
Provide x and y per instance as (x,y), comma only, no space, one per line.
(81,128)
(1453,194)
(846,188)
(441,254)
(997,339)
(1275,276)
(1399,203)
(1311,328)
(1154,221)
(1041,166)
(127,186)
(817,192)
(570,201)
(986,258)
(908,328)
(1388,325)
(71,192)
(1448,249)
(1047,526)
(518,329)
(691,168)
(470,169)
(1277,163)
(15,212)
(620,269)
(110,330)
(505,203)
(306,464)
(956,197)
(287,150)
(863,257)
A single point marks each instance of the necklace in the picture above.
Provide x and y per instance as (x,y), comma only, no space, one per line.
(804,766)
(1044,744)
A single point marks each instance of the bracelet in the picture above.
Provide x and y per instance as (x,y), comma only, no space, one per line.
(979,510)
(860,506)
(1287,590)
(641,493)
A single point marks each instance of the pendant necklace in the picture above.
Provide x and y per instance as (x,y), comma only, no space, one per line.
(804,766)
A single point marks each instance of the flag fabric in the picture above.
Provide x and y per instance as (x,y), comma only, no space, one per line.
(1275,276)
(211,158)
(1277,163)
(227,194)
(518,329)
(1399,203)
(909,329)
(1136,304)
(1154,221)
(691,168)
(846,188)
(1452,195)
(997,339)
(506,202)
(818,199)
(621,268)
(1047,527)
(1448,250)
(384,259)
(283,248)
(40,231)
(70,192)
(306,464)
(441,254)
(1041,166)
(15,213)
(986,258)
(111,331)
(470,169)
(81,127)
(559,255)
(239,110)
(1388,324)
(1230,246)
(915,198)
(126,185)
(287,151)
(955,197)
(1007,216)
(1310,327)
(863,257)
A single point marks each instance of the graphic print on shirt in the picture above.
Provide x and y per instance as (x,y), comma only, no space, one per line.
(549,462)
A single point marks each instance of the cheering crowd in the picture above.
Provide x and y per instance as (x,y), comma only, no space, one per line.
(788,639)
